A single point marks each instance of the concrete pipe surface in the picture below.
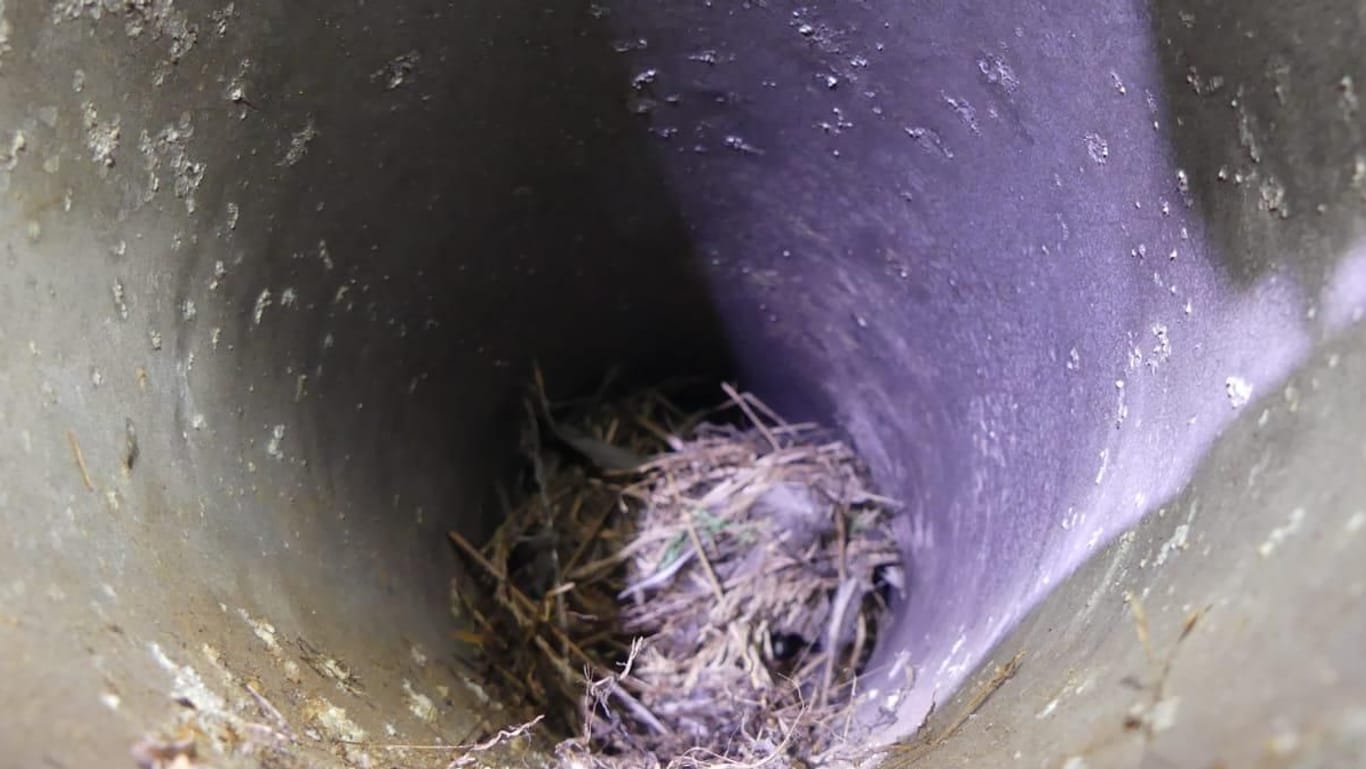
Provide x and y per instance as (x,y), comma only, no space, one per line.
(1083,281)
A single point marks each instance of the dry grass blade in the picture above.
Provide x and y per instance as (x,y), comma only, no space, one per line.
(468,752)
(738,400)
(706,564)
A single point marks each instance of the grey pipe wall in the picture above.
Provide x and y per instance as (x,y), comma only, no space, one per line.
(1055,269)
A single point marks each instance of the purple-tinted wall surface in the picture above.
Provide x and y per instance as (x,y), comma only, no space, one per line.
(961,232)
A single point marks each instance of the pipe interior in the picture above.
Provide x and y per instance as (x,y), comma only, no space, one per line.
(304,256)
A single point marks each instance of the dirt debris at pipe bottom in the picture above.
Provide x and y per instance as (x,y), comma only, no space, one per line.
(666,589)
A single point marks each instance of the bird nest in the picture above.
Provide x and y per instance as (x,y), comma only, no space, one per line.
(680,589)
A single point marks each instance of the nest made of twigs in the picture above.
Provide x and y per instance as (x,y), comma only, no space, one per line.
(682,592)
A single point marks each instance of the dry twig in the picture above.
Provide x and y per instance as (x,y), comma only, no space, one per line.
(79,456)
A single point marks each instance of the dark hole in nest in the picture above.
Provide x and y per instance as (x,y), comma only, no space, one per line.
(680,584)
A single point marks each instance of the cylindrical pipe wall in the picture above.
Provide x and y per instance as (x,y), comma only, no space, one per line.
(276,270)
